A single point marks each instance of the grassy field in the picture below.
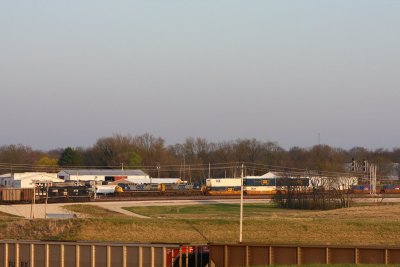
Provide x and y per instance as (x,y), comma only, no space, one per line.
(93,211)
(367,225)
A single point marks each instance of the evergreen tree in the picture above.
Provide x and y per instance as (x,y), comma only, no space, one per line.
(70,157)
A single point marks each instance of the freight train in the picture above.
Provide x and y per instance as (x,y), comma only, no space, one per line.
(83,193)
(213,187)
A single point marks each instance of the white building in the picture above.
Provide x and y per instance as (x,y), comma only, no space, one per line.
(28,179)
(101,175)
(270,175)
(151,181)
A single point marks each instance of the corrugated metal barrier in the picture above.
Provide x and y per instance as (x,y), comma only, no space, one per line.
(16,253)
(262,255)
(86,254)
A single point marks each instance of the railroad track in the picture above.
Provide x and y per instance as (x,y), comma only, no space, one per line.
(201,197)
(204,197)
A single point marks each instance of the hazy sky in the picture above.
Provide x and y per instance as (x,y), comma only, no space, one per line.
(74,71)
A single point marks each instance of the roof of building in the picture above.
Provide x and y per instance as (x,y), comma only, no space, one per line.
(148,180)
(114,172)
(270,175)
(29,175)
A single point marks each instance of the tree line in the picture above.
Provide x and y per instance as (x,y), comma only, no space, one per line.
(152,152)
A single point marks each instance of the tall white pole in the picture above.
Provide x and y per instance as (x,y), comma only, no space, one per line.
(241,207)
(45,204)
(34,200)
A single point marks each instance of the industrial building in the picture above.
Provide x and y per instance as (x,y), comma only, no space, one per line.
(28,179)
(101,175)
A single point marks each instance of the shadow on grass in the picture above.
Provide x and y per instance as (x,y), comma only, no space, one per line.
(197,230)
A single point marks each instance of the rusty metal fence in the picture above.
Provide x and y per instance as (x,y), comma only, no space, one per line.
(263,255)
(88,254)
(16,253)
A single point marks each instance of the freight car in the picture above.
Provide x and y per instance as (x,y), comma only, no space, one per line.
(156,190)
(16,195)
(252,185)
(223,186)
(259,186)
(390,189)
(55,194)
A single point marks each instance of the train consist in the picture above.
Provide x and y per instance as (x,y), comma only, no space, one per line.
(81,192)
(252,185)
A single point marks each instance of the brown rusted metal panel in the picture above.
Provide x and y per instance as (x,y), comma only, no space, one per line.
(284,255)
(33,253)
(311,255)
(2,254)
(39,255)
(342,255)
(24,254)
(27,195)
(146,256)
(117,254)
(236,256)
(371,256)
(69,256)
(393,256)
(258,255)
(54,255)
(132,256)
(11,253)
(85,256)
(100,256)
(217,255)
(158,257)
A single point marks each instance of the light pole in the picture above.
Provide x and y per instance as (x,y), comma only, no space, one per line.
(95,188)
(241,207)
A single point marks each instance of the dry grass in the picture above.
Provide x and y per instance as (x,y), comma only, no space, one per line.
(376,225)
(359,226)
(90,211)
(40,229)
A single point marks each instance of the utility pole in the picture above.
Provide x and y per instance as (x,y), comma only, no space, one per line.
(94,189)
(241,207)
(190,176)
(45,204)
(372,178)
(158,166)
(33,201)
(184,166)
(209,170)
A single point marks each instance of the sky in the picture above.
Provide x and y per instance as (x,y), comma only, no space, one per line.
(284,71)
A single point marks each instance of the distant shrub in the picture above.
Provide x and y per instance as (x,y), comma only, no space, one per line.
(316,199)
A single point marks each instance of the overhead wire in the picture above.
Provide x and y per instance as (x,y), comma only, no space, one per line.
(192,167)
